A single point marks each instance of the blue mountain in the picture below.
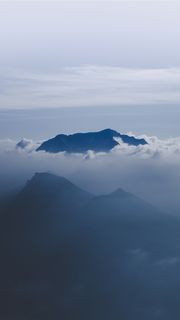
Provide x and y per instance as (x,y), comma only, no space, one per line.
(101,141)
(67,254)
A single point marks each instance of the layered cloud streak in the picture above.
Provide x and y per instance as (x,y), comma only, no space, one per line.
(89,86)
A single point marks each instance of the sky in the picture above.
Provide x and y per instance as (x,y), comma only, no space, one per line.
(40,124)
(46,36)
(58,54)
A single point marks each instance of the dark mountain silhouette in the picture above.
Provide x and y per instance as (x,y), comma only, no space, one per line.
(54,190)
(46,207)
(66,254)
(101,141)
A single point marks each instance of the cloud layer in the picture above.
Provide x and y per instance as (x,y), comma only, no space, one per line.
(151,171)
(89,86)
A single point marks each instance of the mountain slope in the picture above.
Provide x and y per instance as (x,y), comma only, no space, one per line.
(46,206)
(53,188)
(66,254)
(101,141)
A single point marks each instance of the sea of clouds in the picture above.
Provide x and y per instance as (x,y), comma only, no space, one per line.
(151,171)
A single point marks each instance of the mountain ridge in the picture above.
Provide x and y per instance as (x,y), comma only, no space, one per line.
(62,248)
(99,141)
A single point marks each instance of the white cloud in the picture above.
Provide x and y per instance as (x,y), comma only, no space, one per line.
(89,86)
(26,144)
(151,171)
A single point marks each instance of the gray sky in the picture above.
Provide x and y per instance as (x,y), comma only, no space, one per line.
(117,60)
(89,53)
(41,124)
(47,35)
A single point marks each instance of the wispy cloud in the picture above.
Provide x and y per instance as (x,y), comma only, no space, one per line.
(168,262)
(89,86)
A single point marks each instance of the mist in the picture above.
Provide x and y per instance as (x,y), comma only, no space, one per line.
(151,172)
(72,252)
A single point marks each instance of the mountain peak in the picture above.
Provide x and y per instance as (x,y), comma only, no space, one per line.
(39,176)
(100,141)
(121,193)
(109,131)
(45,185)
(47,178)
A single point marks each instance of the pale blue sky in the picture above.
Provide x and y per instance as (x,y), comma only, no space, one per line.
(159,120)
(48,35)
(57,54)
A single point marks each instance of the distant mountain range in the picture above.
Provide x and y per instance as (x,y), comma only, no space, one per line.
(67,254)
(101,141)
